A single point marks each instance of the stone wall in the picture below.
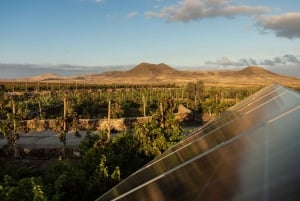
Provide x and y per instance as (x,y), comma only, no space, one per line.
(85,124)
(121,124)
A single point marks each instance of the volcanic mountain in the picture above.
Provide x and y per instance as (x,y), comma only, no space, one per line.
(146,73)
(161,73)
(255,71)
(142,73)
(146,69)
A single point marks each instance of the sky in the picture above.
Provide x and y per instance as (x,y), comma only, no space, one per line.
(201,34)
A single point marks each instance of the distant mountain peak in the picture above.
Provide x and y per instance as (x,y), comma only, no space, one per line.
(254,71)
(146,68)
(255,68)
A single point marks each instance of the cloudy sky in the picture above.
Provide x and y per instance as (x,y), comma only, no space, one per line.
(204,34)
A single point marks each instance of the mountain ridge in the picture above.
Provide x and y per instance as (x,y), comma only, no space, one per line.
(147,73)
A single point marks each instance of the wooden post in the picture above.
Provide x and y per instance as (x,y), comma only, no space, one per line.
(65,113)
(64,132)
(40,110)
(222,97)
(196,107)
(144,105)
(14,115)
(108,119)
(15,148)
(161,109)
(162,123)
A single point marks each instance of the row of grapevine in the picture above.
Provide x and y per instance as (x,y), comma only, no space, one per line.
(125,102)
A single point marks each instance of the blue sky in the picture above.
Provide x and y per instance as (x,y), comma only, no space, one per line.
(204,34)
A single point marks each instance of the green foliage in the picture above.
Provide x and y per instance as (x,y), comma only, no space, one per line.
(102,164)
(4,131)
(195,89)
(65,181)
(116,175)
(105,163)
(88,142)
(161,132)
(28,188)
(38,193)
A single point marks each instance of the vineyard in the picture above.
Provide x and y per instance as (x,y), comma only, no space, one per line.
(106,157)
(46,100)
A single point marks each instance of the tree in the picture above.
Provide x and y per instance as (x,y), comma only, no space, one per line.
(159,133)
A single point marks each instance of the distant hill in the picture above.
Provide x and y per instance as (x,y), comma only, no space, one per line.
(146,73)
(162,73)
(142,73)
(255,71)
(47,77)
(146,69)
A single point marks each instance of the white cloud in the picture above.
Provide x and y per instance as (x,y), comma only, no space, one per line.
(187,10)
(99,1)
(131,15)
(224,61)
(286,64)
(287,59)
(285,25)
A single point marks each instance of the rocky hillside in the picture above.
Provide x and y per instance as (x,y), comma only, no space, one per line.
(146,69)
(255,71)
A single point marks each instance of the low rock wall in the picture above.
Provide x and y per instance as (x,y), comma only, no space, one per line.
(85,124)
(121,124)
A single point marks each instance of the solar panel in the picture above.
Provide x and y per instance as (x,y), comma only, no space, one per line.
(251,152)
